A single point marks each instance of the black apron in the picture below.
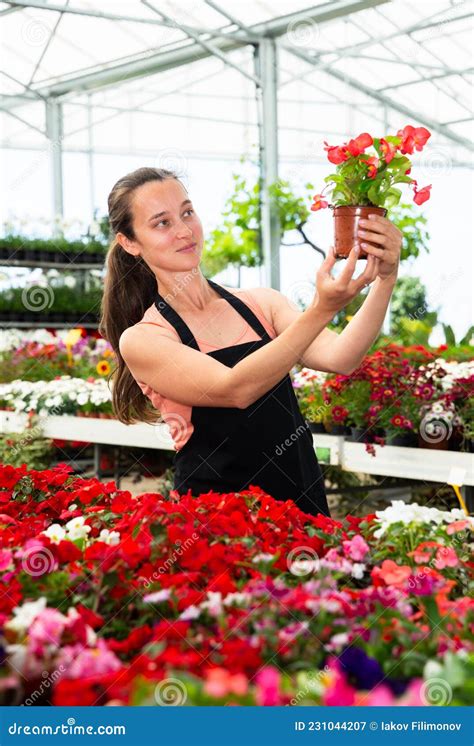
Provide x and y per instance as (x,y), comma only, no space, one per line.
(268,444)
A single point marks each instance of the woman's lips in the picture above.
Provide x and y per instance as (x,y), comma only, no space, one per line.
(189,248)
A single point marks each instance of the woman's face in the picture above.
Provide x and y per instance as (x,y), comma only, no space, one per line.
(165,222)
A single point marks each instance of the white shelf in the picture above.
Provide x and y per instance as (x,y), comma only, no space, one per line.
(452,467)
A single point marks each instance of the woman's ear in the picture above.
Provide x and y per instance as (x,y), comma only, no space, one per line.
(127,244)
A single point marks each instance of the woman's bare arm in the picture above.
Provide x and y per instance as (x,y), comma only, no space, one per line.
(185,375)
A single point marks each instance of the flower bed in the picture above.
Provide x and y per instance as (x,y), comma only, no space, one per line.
(228,599)
(63,395)
(43,355)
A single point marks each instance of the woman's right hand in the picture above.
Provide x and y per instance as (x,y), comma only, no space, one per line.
(334,293)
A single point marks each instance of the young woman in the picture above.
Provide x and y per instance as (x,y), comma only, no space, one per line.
(213,361)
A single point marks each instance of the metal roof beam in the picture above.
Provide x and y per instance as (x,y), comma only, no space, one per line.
(211,48)
(392,104)
(56,7)
(193,53)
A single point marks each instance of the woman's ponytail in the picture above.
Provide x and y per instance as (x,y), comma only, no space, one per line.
(129,289)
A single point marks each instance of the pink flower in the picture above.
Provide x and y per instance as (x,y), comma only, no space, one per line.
(219,682)
(268,682)
(6,559)
(456,526)
(446,557)
(47,629)
(356,548)
(319,203)
(83,662)
(380,696)
(339,692)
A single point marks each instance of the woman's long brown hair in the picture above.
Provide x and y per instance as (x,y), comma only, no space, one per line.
(129,289)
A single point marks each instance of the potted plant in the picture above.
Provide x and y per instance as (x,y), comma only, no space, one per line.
(357,405)
(363,182)
(308,389)
(334,398)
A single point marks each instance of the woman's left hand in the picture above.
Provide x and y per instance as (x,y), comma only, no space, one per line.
(380,230)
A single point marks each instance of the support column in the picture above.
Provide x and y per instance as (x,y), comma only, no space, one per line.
(266,70)
(54,131)
(90,156)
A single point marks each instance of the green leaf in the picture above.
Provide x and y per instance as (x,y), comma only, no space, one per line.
(449,335)
(392,197)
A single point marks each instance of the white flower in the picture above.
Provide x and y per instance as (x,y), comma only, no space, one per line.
(263,557)
(358,570)
(342,638)
(25,614)
(236,598)
(76,528)
(109,537)
(213,603)
(400,512)
(432,670)
(192,612)
(157,596)
(55,533)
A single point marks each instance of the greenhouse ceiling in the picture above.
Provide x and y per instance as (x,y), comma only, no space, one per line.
(393,59)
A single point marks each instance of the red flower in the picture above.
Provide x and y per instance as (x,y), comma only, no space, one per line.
(397,420)
(388,150)
(336,153)
(373,164)
(421,196)
(359,144)
(412,138)
(319,202)
(339,413)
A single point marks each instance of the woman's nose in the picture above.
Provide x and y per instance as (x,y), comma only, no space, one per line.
(183,230)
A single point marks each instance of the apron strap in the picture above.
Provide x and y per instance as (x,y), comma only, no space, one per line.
(185,332)
(243,309)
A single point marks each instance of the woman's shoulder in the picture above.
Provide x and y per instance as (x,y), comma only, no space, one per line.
(261,299)
(151,321)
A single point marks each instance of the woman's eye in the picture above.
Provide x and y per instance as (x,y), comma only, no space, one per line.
(162,222)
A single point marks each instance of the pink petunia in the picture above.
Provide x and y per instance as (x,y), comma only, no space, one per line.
(356,548)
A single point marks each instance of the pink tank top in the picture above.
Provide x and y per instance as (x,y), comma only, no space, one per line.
(178,416)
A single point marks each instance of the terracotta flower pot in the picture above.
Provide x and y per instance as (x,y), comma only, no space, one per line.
(346,225)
